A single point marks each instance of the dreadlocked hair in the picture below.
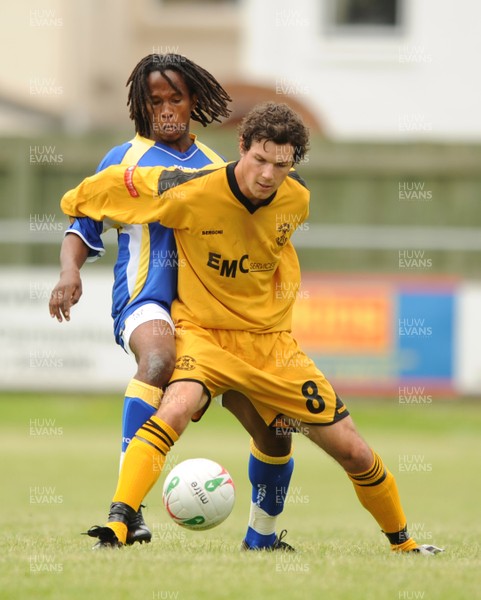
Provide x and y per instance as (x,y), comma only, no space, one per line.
(212,99)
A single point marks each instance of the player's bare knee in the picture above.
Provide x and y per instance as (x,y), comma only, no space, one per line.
(176,411)
(355,456)
(155,368)
(341,441)
(160,366)
(272,443)
(182,400)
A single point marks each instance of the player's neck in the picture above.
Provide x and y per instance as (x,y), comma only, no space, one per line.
(180,145)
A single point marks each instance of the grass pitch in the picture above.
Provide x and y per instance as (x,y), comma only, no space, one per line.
(59,469)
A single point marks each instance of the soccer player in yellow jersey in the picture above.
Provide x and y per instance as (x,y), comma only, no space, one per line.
(166,92)
(233,226)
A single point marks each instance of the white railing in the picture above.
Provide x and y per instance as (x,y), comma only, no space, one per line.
(40,230)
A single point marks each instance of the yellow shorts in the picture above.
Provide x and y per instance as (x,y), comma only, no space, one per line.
(269,368)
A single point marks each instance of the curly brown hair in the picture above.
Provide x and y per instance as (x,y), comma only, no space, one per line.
(275,122)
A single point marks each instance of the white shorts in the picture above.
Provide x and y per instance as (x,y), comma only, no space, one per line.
(143,314)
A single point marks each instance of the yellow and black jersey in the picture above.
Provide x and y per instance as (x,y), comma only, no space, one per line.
(231,275)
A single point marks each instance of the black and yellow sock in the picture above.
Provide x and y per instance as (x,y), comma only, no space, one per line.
(377,491)
(143,463)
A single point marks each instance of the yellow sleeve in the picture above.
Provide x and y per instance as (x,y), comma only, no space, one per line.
(125,195)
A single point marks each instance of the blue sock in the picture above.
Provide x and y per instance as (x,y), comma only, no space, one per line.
(270,481)
(140,403)
(136,412)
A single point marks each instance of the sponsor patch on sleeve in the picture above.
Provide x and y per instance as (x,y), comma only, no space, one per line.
(129,181)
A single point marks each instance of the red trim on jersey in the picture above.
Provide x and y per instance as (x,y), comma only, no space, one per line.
(129,181)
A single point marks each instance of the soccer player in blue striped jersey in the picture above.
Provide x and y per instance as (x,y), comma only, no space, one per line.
(165,93)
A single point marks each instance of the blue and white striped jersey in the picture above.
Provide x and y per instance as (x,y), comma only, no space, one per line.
(146,266)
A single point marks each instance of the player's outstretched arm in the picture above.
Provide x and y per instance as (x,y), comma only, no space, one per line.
(125,195)
(67,292)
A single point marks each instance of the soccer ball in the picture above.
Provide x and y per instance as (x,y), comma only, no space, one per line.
(198,494)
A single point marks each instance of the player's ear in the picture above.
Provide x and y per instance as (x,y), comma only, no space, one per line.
(242,149)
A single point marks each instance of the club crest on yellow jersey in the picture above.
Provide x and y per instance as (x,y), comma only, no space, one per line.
(283,229)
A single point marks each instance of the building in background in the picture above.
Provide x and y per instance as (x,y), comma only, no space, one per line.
(372,69)
(358,69)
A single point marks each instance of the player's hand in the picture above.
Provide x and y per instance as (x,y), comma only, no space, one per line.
(65,294)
